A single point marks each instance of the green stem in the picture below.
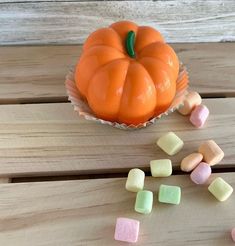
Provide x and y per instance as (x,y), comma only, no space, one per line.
(130,41)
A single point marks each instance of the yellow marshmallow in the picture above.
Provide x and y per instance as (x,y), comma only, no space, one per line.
(170,143)
(135,180)
(161,168)
(220,189)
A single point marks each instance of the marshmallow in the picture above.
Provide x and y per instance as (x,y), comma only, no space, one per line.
(220,189)
(199,116)
(135,180)
(170,143)
(161,168)
(190,162)
(144,202)
(201,173)
(192,100)
(169,194)
(233,234)
(127,230)
(212,153)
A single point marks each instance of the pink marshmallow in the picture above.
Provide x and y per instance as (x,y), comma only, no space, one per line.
(233,234)
(199,115)
(201,173)
(127,230)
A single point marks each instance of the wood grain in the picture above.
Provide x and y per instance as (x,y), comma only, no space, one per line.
(50,139)
(84,213)
(37,74)
(70,22)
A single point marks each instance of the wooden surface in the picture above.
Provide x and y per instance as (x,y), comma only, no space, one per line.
(37,74)
(39,22)
(50,139)
(44,140)
(76,213)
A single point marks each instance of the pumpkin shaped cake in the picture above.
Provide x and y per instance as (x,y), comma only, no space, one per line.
(127,73)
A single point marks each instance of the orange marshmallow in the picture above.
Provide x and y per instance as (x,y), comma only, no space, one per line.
(212,153)
(190,162)
(192,100)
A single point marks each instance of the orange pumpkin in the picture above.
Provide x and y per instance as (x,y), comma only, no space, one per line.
(127,73)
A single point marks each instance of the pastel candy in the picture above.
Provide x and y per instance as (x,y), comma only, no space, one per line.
(191,101)
(190,162)
(135,180)
(169,194)
(144,202)
(201,173)
(161,168)
(233,234)
(170,143)
(127,230)
(212,153)
(199,116)
(220,189)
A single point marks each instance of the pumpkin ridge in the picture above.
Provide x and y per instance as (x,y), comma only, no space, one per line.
(125,53)
(151,80)
(106,45)
(151,44)
(84,56)
(101,45)
(125,84)
(119,39)
(157,59)
(148,45)
(139,27)
(122,92)
(100,67)
(122,82)
(159,81)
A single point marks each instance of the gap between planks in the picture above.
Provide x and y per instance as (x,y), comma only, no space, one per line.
(100,176)
(65,99)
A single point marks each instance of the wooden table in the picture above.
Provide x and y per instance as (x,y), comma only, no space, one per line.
(62,177)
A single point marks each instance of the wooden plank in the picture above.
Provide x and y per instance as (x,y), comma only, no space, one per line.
(50,139)
(33,1)
(71,22)
(37,74)
(84,213)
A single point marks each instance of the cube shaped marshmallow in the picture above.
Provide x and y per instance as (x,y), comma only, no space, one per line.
(161,168)
(127,230)
(220,189)
(170,143)
(169,194)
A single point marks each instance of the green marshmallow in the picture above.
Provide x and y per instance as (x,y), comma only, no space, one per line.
(144,202)
(169,194)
